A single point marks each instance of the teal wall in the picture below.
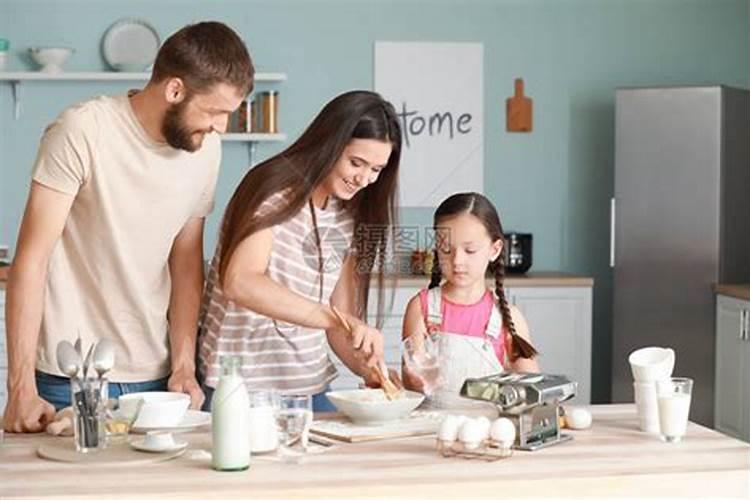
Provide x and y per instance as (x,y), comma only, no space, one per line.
(555,182)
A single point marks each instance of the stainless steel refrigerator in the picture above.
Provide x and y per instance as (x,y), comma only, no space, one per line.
(680,223)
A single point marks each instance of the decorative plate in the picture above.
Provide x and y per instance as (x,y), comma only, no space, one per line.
(130,45)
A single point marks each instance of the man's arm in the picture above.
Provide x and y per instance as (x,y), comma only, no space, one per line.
(186,269)
(43,222)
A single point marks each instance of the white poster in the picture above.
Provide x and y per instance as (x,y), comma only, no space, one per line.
(438,92)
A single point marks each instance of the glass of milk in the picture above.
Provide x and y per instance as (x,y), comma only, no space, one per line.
(263,433)
(673,396)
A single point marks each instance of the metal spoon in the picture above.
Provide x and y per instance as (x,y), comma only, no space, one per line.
(104,357)
(68,360)
(78,347)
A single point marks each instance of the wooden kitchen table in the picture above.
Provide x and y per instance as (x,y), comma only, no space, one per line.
(611,459)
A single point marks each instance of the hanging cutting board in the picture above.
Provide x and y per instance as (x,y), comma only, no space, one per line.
(519,110)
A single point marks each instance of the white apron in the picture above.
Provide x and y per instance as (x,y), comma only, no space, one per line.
(461,356)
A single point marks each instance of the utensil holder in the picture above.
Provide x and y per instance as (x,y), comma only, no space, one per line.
(89,400)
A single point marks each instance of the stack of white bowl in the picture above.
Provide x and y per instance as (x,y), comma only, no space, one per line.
(649,364)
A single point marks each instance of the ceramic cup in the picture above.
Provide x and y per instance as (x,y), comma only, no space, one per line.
(650,364)
(647,405)
(159,440)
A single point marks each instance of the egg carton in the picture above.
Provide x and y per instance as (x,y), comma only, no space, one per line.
(487,450)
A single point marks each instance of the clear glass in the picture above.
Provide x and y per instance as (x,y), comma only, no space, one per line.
(263,408)
(119,421)
(293,420)
(673,395)
(421,355)
(89,399)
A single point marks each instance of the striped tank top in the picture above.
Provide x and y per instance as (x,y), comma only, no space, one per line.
(275,354)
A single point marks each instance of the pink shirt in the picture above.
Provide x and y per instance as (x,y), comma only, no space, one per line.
(467,319)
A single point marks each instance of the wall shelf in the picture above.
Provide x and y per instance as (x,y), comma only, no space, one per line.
(16,78)
(255,137)
(252,140)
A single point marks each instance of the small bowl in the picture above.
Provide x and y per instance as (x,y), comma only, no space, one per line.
(51,59)
(651,363)
(369,406)
(160,409)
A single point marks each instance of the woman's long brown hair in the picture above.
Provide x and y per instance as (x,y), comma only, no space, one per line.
(304,165)
(483,209)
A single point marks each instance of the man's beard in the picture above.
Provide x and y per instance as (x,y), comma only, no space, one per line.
(175,131)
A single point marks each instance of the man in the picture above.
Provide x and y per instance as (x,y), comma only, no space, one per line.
(110,245)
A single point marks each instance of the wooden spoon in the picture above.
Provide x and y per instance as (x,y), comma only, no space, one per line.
(390,389)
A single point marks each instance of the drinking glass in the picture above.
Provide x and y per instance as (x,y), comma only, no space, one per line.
(293,420)
(421,355)
(119,421)
(264,406)
(89,400)
(674,396)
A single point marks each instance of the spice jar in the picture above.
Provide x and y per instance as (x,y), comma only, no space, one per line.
(269,109)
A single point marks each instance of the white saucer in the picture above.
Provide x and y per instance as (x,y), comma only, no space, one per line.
(140,445)
(193,419)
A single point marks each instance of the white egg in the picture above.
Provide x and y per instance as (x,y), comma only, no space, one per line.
(470,434)
(503,432)
(484,425)
(578,418)
(448,430)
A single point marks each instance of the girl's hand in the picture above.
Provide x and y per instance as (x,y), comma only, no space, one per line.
(411,381)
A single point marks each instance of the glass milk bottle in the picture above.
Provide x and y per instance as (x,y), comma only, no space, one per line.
(230,419)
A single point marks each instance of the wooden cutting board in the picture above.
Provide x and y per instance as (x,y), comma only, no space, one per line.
(519,110)
(63,450)
(420,423)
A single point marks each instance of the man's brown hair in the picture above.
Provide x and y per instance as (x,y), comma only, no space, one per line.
(203,55)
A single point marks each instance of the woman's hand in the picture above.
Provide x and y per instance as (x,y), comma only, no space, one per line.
(367,341)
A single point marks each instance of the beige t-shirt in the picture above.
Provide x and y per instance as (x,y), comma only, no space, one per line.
(109,274)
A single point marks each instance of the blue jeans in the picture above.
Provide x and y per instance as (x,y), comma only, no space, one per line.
(320,401)
(56,390)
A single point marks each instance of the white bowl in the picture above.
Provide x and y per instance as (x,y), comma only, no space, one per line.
(372,406)
(650,364)
(160,409)
(51,59)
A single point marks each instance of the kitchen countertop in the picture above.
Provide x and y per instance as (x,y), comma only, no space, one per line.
(736,291)
(612,458)
(532,279)
(538,278)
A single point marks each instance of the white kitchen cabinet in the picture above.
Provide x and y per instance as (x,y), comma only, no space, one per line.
(3,355)
(732,392)
(559,319)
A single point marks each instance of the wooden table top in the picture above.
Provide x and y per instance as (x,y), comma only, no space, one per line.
(612,458)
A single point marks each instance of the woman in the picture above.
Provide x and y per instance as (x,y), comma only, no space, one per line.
(301,234)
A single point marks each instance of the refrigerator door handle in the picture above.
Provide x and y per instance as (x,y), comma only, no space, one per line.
(743,315)
(612,232)
(745,325)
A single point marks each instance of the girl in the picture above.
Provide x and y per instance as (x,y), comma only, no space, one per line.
(300,235)
(479,333)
